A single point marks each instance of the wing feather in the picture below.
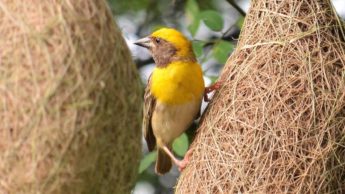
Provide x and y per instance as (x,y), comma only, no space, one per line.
(149,106)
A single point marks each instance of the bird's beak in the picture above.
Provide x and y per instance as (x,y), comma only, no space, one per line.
(144,42)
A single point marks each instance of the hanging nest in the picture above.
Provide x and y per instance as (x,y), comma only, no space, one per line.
(278,123)
(70,100)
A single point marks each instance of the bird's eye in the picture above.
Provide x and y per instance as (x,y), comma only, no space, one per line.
(158,40)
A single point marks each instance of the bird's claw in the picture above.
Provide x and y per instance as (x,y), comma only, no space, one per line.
(211,88)
(183,163)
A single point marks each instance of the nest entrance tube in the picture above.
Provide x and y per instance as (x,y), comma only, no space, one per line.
(278,123)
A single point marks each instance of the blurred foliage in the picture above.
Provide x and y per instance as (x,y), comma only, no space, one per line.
(180,145)
(221,50)
(119,7)
(124,6)
(147,161)
(214,21)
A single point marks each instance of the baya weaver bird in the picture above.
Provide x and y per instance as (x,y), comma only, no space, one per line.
(173,94)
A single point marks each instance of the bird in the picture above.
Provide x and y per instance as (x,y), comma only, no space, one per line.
(173,94)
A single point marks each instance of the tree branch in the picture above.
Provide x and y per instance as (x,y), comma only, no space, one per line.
(238,8)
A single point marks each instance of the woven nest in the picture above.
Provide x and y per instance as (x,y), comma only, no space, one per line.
(278,123)
(70,100)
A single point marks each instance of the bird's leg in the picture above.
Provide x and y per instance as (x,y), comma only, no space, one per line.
(173,158)
(185,160)
(210,88)
(180,163)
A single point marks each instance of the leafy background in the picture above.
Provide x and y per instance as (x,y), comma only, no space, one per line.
(212,25)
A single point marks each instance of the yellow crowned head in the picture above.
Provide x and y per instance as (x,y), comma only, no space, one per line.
(168,45)
(181,43)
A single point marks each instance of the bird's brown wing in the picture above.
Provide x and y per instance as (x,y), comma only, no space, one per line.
(149,106)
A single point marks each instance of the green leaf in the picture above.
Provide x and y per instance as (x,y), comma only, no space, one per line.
(198,48)
(180,145)
(240,22)
(192,7)
(147,161)
(221,51)
(192,13)
(194,26)
(212,19)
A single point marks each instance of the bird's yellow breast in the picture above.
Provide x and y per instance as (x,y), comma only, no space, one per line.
(178,83)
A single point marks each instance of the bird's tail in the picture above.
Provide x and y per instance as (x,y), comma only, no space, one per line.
(163,163)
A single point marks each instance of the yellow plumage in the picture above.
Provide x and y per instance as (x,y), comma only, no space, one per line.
(178,83)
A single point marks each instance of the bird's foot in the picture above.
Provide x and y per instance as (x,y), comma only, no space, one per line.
(211,88)
(183,163)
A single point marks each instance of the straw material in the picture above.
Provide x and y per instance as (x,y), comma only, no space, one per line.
(70,100)
(278,123)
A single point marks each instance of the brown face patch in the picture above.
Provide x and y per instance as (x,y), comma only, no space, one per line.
(163,52)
